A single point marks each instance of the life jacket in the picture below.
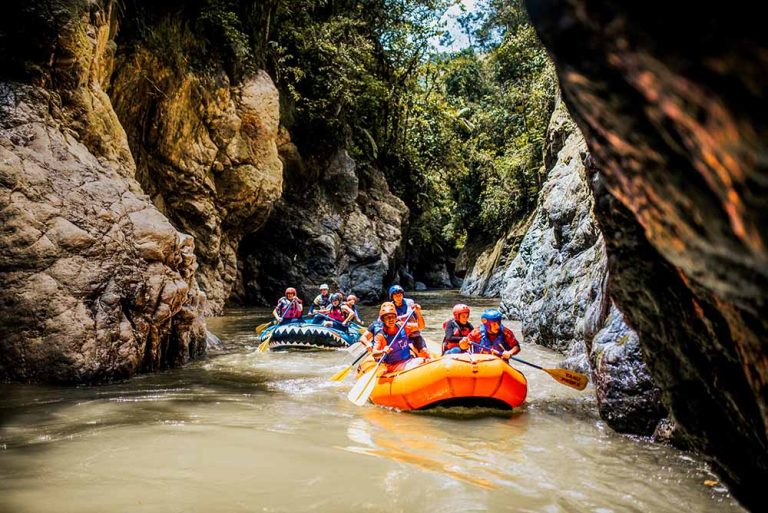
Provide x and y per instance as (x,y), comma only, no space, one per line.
(323,301)
(489,343)
(287,309)
(400,349)
(336,313)
(458,331)
(353,308)
(403,309)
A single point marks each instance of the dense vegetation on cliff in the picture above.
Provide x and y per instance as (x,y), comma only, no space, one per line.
(458,134)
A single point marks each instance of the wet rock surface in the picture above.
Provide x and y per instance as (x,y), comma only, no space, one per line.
(552,279)
(345,229)
(206,153)
(626,395)
(555,285)
(95,283)
(673,110)
(483,266)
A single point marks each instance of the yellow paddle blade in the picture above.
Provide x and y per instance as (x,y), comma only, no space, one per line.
(569,378)
(356,350)
(264,346)
(339,376)
(262,327)
(362,390)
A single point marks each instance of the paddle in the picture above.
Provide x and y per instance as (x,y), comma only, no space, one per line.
(366,383)
(356,350)
(262,327)
(568,378)
(264,346)
(339,376)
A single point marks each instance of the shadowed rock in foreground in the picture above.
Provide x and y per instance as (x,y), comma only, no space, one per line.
(95,283)
(671,99)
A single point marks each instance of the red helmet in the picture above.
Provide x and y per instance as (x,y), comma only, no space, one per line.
(387,308)
(460,309)
(290,290)
(352,297)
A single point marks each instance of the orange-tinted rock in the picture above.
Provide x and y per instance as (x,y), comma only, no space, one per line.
(95,283)
(671,98)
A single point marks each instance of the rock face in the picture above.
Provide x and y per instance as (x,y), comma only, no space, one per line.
(555,285)
(560,262)
(483,266)
(627,397)
(95,283)
(673,109)
(206,154)
(337,224)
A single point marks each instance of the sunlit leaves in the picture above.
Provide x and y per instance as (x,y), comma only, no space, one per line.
(459,136)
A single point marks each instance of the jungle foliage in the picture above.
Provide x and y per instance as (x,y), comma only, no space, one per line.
(459,135)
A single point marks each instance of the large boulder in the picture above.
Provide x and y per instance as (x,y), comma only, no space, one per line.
(206,153)
(344,229)
(555,285)
(95,283)
(627,397)
(673,104)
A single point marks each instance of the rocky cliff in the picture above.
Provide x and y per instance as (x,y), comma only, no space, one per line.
(337,223)
(673,110)
(95,283)
(553,276)
(205,150)
(482,266)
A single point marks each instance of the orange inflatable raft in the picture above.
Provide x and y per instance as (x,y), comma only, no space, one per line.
(450,380)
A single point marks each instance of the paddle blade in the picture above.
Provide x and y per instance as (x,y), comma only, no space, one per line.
(339,376)
(569,378)
(264,346)
(262,327)
(363,388)
(356,350)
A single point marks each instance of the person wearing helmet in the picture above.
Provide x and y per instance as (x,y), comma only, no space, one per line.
(354,314)
(393,344)
(492,337)
(322,301)
(335,311)
(366,338)
(288,307)
(456,329)
(402,306)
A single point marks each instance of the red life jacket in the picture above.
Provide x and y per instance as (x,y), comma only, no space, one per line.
(458,331)
(287,309)
(337,314)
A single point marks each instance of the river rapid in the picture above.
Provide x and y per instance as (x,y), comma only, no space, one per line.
(247,431)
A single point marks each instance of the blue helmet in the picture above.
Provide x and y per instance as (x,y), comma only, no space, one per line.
(491,314)
(395,289)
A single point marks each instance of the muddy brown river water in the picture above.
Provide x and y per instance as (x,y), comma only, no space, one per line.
(246,431)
